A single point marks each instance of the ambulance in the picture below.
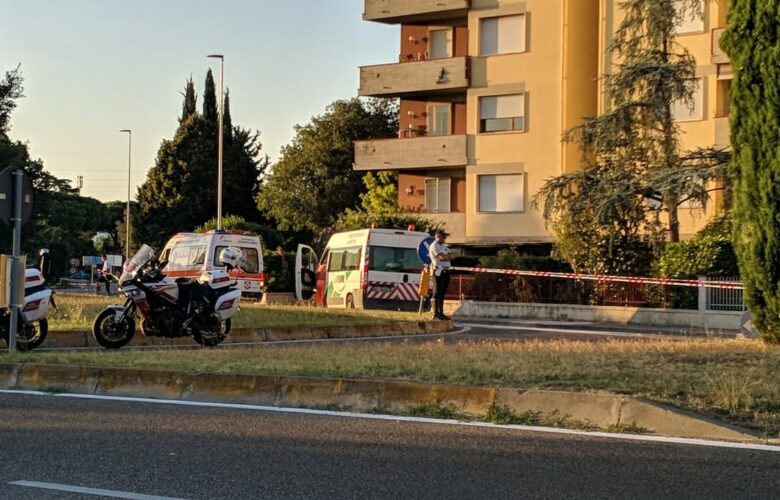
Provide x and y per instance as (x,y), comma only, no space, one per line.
(188,255)
(366,269)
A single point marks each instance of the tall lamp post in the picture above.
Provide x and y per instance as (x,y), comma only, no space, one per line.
(127,214)
(219,150)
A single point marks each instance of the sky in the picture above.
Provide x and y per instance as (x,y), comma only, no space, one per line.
(93,67)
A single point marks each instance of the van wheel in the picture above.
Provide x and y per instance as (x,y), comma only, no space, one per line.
(350,302)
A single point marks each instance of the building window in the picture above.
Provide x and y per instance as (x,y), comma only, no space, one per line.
(440,44)
(724,96)
(501,193)
(439,119)
(437,195)
(501,35)
(683,111)
(692,21)
(502,113)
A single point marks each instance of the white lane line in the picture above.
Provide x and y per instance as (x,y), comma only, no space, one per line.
(395,418)
(89,491)
(607,333)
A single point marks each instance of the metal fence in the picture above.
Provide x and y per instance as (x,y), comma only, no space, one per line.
(724,299)
(553,290)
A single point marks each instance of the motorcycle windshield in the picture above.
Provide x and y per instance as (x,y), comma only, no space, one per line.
(139,260)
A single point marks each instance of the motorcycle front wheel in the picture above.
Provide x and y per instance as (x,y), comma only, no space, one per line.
(110,334)
(212,336)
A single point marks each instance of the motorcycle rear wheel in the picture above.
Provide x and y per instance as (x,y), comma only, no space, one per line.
(212,337)
(110,334)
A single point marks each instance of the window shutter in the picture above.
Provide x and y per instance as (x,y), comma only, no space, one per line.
(443,203)
(430,195)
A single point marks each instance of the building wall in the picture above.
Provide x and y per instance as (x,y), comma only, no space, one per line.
(535,152)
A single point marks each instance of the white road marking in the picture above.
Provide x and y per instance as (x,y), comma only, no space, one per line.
(89,491)
(395,418)
(607,333)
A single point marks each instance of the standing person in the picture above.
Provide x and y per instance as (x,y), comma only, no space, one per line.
(105,273)
(440,261)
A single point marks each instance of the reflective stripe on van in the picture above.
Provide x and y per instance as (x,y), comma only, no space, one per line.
(392,291)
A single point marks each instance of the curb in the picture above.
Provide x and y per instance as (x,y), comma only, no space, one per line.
(385,396)
(81,339)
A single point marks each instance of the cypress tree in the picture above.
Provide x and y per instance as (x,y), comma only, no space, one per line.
(227,121)
(210,112)
(190,105)
(752,42)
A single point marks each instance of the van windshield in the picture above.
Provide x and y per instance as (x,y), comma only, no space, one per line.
(394,260)
(251,263)
(185,258)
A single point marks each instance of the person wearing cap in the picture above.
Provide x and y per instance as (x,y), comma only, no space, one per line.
(440,262)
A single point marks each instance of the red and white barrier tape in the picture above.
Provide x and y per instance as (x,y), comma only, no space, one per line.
(724,285)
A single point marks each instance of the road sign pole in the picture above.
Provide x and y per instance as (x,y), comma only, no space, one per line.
(17,250)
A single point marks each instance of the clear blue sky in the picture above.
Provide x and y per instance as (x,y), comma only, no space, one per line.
(92,67)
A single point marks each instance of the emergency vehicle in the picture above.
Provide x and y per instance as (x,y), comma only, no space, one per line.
(188,255)
(366,269)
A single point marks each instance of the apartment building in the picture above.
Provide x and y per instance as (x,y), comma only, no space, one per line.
(487,88)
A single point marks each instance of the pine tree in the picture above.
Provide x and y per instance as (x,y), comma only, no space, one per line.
(633,167)
(752,42)
(227,121)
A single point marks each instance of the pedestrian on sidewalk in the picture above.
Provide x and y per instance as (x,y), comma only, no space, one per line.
(440,256)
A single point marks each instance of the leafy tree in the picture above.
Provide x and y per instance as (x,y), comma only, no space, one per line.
(381,196)
(634,171)
(180,191)
(10,90)
(752,42)
(314,182)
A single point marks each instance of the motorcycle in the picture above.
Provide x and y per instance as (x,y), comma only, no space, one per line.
(170,308)
(32,325)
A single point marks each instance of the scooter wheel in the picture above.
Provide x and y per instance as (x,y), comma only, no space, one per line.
(110,334)
(31,335)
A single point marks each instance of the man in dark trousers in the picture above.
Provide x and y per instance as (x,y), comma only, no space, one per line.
(105,274)
(440,263)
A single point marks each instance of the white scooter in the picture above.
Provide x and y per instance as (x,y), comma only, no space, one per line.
(33,325)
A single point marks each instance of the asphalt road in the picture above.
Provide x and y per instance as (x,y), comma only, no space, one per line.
(184,452)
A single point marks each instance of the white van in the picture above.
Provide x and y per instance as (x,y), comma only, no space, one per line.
(190,254)
(366,269)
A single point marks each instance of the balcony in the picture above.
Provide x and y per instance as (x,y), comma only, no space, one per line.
(408,11)
(408,79)
(719,55)
(422,152)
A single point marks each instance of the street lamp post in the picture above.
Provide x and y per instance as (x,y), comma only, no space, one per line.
(127,214)
(219,150)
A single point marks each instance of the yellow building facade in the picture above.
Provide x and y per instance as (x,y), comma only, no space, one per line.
(488,87)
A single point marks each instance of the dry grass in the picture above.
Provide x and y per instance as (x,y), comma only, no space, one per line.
(77,312)
(733,380)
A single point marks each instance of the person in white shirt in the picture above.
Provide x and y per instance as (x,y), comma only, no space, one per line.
(440,256)
(105,275)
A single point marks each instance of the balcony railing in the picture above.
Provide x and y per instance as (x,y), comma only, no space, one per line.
(398,11)
(415,78)
(421,152)
(719,55)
